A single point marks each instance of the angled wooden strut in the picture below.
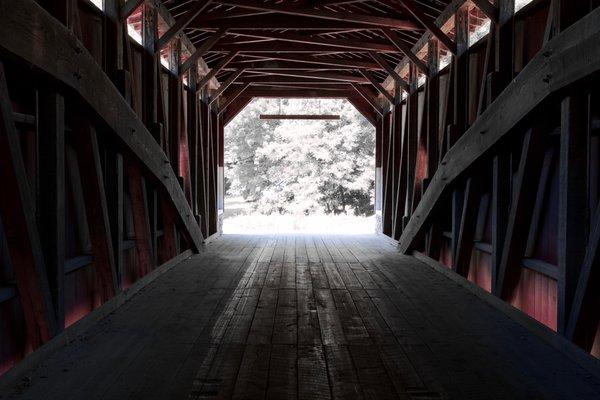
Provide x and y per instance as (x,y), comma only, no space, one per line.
(566,64)
(141,221)
(368,97)
(98,93)
(19,221)
(404,49)
(96,208)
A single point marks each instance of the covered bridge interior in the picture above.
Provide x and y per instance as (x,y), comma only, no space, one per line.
(483,282)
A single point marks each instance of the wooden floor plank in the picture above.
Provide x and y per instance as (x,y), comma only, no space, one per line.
(306,317)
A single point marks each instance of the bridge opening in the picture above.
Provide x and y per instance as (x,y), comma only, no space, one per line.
(288,172)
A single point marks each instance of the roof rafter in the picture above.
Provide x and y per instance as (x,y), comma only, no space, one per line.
(418,14)
(236,74)
(213,72)
(206,46)
(231,97)
(342,43)
(181,23)
(308,12)
(389,69)
(368,97)
(346,78)
(386,95)
(397,42)
(335,62)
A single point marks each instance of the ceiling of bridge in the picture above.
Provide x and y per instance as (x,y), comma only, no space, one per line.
(300,44)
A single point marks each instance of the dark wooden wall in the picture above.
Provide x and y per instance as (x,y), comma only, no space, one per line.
(491,167)
(89,205)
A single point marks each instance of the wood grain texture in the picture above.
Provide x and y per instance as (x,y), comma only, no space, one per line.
(231,323)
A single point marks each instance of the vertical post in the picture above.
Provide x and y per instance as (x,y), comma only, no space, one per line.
(150,69)
(461,69)
(501,193)
(175,93)
(18,218)
(386,212)
(412,135)
(432,122)
(114,200)
(504,56)
(51,199)
(573,214)
(114,30)
(193,139)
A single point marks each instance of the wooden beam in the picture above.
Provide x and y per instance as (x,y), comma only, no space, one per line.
(292,81)
(335,62)
(113,167)
(181,23)
(501,193)
(231,97)
(322,14)
(51,198)
(88,157)
(363,108)
(563,66)
(573,210)
(234,108)
(275,21)
(523,199)
(255,91)
(280,46)
(489,9)
(200,51)
(404,49)
(378,86)
(234,75)
(213,72)
(97,93)
(468,222)
(19,221)
(344,78)
(140,214)
(129,7)
(309,117)
(418,14)
(284,65)
(368,98)
(342,43)
(389,69)
(584,316)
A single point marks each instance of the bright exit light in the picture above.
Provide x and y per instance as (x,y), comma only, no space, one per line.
(290,170)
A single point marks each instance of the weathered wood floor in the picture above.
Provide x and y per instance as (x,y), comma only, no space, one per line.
(308,317)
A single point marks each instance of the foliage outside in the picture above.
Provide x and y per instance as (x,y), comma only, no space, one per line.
(301,167)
